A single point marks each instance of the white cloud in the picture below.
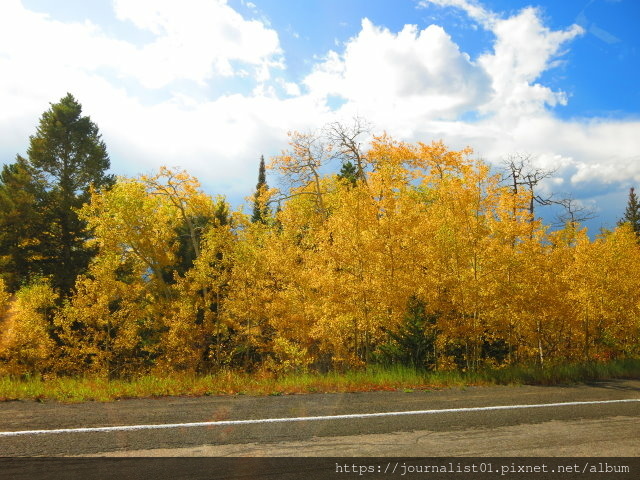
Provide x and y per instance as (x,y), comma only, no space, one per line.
(193,42)
(586,152)
(414,72)
(473,8)
(196,39)
(418,84)
(290,88)
(523,50)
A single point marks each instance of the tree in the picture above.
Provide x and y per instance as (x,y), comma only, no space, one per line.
(521,173)
(69,156)
(140,226)
(632,212)
(26,346)
(260,209)
(4,298)
(574,211)
(195,210)
(344,139)
(107,326)
(301,166)
(22,224)
(413,343)
(348,174)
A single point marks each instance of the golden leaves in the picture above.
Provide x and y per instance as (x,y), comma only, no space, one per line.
(330,277)
(26,346)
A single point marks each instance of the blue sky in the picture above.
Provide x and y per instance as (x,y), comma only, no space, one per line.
(210,85)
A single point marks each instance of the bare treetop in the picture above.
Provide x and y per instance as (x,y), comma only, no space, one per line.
(521,173)
(345,140)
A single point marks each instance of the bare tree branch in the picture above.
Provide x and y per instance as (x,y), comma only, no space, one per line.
(345,140)
(574,212)
(520,173)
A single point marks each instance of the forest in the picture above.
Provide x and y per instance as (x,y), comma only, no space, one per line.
(406,253)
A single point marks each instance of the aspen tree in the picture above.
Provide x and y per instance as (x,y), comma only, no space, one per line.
(26,345)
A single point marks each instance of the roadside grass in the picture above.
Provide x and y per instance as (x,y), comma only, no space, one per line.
(394,378)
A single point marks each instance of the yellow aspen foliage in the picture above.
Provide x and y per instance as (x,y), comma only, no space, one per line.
(545,312)
(605,289)
(462,199)
(290,295)
(183,192)
(353,262)
(26,346)
(417,254)
(247,307)
(150,230)
(4,299)
(301,165)
(287,357)
(438,161)
(102,327)
(129,220)
(197,333)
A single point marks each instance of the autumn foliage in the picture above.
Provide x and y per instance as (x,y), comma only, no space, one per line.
(423,257)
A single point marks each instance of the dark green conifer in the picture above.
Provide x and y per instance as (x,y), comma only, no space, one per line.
(23,227)
(65,158)
(348,173)
(632,212)
(260,209)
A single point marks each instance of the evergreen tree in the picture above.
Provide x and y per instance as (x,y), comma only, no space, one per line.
(22,224)
(260,209)
(348,173)
(65,158)
(413,343)
(632,213)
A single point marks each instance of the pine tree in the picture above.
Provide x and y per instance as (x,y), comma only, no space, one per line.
(414,342)
(260,210)
(68,156)
(22,224)
(348,173)
(632,213)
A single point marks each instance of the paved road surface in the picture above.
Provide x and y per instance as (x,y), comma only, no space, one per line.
(576,430)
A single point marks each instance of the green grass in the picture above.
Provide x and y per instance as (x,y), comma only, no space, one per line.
(566,373)
(65,389)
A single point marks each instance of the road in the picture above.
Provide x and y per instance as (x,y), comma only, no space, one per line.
(457,423)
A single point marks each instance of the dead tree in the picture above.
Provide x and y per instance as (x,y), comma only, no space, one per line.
(345,141)
(300,166)
(575,212)
(520,173)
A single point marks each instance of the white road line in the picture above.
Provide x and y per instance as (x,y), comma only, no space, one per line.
(305,419)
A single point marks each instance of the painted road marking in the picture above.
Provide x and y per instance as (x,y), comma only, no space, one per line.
(305,419)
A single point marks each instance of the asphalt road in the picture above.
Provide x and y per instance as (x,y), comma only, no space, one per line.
(577,430)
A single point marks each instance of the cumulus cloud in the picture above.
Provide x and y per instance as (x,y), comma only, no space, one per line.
(523,50)
(419,84)
(585,152)
(218,141)
(195,39)
(414,72)
(416,83)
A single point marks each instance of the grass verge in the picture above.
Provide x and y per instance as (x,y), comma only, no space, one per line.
(65,389)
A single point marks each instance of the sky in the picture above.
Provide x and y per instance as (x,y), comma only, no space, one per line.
(210,85)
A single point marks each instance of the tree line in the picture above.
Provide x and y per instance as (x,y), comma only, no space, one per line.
(412,253)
